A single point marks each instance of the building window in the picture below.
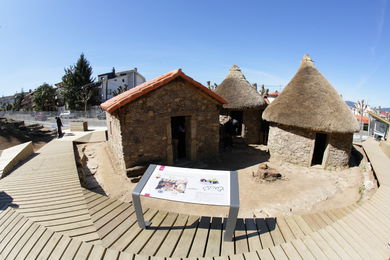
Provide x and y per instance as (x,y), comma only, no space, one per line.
(123,80)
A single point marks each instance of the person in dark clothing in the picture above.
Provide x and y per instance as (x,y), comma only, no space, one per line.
(59,125)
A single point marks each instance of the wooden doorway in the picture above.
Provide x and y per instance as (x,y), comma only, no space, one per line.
(320,145)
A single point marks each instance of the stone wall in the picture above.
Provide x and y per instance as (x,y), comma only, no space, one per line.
(296,146)
(115,138)
(252,126)
(145,125)
(290,144)
(339,151)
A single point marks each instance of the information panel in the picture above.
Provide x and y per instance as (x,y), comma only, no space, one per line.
(189,185)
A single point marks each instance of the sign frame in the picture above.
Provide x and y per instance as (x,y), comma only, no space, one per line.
(233,207)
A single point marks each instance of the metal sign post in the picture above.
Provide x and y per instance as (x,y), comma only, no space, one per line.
(233,201)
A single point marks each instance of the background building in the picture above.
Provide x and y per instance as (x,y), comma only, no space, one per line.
(111,81)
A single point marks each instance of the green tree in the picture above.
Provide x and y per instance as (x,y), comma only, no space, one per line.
(76,76)
(45,98)
(18,101)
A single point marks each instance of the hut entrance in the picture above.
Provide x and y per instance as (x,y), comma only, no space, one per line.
(319,148)
(237,118)
(180,133)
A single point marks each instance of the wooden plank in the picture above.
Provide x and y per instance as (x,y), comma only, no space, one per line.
(112,215)
(290,250)
(170,242)
(294,227)
(274,230)
(60,248)
(215,236)
(23,236)
(10,225)
(314,248)
(22,225)
(84,251)
(199,243)
(362,230)
(240,239)
(303,251)
(251,256)
(265,254)
(328,251)
(97,215)
(47,247)
(303,225)
(40,243)
(227,247)
(265,236)
(111,254)
(125,233)
(153,244)
(278,253)
(237,257)
(332,243)
(71,250)
(97,252)
(106,230)
(285,229)
(183,247)
(31,243)
(252,235)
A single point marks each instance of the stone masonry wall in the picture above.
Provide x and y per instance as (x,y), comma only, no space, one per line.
(252,123)
(115,138)
(146,124)
(296,146)
(339,151)
(290,144)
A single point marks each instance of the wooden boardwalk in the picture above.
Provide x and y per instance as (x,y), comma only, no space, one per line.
(45,214)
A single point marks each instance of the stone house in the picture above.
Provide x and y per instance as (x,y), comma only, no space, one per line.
(169,118)
(245,105)
(309,122)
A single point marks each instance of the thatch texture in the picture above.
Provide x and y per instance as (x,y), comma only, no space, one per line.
(309,101)
(238,92)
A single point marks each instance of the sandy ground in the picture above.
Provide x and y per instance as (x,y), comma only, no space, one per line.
(301,190)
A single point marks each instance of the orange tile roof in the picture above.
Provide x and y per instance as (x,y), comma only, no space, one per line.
(365,119)
(132,94)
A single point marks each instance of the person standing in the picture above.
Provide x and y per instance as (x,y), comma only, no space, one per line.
(59,125)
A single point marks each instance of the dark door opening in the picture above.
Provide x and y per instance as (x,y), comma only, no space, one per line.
(178,128)
(237,117)
(319,148)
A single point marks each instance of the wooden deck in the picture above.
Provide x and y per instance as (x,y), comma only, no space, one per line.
(45,214)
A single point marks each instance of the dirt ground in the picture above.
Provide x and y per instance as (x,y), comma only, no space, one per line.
(16,132)
(301,190)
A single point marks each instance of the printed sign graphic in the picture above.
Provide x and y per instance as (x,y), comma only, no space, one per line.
(189,185)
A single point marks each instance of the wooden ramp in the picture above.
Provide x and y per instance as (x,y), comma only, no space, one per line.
(46,190)
(44,195)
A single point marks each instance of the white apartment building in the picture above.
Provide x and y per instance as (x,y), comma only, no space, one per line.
(111,81)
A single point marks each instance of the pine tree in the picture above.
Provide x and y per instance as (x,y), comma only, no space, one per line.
(76,76)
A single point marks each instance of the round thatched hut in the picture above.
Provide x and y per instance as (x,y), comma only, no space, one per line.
(245,105)
(309,122)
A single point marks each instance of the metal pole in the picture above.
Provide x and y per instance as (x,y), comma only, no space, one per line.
(234,207)
(136,197)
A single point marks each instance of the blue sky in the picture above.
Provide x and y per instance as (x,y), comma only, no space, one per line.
(348,40)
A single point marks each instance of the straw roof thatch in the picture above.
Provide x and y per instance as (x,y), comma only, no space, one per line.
(238,92)
(309,101)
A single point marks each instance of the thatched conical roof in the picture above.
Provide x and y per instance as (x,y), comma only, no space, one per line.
(238,92)
(309,101)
